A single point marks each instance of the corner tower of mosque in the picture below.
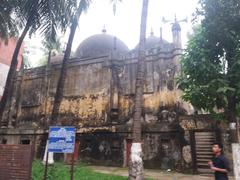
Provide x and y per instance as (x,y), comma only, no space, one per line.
(98,100)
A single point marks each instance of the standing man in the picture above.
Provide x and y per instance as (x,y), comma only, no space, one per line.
(219,164)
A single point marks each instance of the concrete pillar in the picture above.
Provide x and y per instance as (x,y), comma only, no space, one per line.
(50,156)
(236,160)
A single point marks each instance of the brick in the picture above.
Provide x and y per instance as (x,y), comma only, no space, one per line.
(16,162)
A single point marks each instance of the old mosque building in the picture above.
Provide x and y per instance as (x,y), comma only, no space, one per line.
(98,100)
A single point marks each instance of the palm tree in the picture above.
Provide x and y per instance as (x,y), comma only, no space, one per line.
(136,164)
(43,15)
(9,82)
(83,6)
(50,46)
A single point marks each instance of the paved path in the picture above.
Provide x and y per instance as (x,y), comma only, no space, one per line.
(153,174)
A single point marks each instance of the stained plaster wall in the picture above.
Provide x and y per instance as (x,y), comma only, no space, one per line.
(86,94)
(159,87)
(95,89)
(99,95)
(102,148)
(162,150)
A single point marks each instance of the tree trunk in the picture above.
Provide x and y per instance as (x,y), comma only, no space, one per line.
(63,73)
(9,82)
(136,164)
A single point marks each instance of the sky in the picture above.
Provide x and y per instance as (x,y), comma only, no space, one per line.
(126,23)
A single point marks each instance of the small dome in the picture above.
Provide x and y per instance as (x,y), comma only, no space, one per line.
(100,44)
(152,41)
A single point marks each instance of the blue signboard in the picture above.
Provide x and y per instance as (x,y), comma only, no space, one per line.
(61,139)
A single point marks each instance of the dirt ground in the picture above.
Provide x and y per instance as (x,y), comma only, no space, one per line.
(153,174)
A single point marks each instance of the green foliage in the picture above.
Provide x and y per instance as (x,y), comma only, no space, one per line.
(37,170)
(218,116)
(52,44)
(202,80)
(48,15)
(59,171)
(211,61)
(8,25)
(45,16)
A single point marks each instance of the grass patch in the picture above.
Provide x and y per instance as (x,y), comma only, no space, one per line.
(59,171)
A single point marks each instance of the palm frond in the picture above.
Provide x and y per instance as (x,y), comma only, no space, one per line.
(8,26)
(45,16)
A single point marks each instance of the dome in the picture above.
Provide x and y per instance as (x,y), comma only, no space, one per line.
(100,44)
(152,41)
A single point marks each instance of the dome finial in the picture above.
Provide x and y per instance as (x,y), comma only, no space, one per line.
(104,29)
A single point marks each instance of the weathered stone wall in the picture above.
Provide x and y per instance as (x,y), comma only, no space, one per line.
(86,94)
(193,122)
(103,148)
(159,87)
(99,100)
(162,150)
(207,123)
(99,91)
